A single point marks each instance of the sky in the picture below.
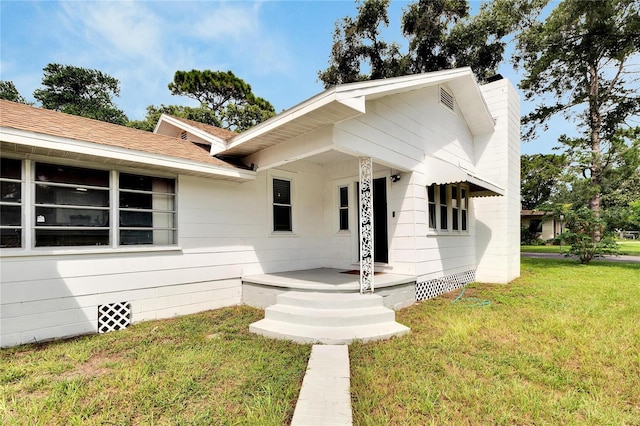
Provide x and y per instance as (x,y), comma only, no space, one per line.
(277,47)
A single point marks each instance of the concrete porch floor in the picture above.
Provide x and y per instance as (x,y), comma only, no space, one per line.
(326,279)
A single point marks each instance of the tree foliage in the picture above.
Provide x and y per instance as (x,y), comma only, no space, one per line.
(540,176)
(80,91)
(9,92)
(441,34)
(579,62)
(585,231)
(200,114)
(229,98)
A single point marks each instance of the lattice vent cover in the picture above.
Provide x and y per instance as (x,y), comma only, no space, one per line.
(432,288)
(114,316)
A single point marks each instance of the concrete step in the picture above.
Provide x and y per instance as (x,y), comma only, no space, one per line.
(329,300)
(342,317)
(327,335)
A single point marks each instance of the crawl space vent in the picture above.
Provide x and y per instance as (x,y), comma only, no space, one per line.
(446,99)
(183,136)
(114,316)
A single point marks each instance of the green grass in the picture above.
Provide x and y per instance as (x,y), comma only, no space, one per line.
(631,248)
(560,345)
(201,369)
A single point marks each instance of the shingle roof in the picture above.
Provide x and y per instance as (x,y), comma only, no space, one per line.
(213,130)
(43,121)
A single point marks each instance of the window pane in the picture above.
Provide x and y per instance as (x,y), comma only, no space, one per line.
(71,175)
(136,200)
(432,216)
(10,238)
(10,192)
(147,183)
(10,215)
(464,220)
(58,216)
(48,194)
(443,218)
(136,219)
(344,219)
(281,191)
(463,198)
(344,196)
(68,237)
(10,169)
(443,194)
(130,237)
(454,217)
(431,193)
(282,218)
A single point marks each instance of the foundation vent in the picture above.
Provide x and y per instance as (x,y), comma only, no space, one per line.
(183,136)
(114,316)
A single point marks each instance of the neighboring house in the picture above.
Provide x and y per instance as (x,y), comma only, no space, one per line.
(544,225)
(101,221)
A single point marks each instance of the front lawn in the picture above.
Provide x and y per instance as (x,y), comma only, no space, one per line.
(204,369)
(560,345)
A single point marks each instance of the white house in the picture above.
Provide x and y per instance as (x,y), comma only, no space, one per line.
(415,177)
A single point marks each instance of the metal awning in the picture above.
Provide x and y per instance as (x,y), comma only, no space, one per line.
(442,172)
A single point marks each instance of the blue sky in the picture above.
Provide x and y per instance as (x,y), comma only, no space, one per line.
(275,46)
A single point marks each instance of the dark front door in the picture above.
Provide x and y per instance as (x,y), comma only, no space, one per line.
(380,243)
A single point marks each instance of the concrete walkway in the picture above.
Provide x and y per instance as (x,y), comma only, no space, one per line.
(325,397)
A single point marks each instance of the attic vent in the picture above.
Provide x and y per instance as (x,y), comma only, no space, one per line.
(114,316)
(183,136)
(446,99)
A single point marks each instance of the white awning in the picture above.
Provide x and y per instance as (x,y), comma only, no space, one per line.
(442,172)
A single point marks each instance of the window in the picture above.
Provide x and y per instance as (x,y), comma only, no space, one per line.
(282,219)
(443,208)
(10,203)
(453,201)
(431,195)
(71,206)
(344,208)
(146,210)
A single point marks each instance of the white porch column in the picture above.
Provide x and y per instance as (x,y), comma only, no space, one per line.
(366,225)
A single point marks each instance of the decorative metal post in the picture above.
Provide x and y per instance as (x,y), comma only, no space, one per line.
(366,225)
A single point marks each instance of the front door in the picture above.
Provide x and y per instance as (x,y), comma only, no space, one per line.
(380,242)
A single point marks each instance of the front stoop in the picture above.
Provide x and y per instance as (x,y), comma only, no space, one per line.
(328,318)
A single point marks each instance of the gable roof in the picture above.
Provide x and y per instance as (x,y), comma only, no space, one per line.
(24,127)
(348,100)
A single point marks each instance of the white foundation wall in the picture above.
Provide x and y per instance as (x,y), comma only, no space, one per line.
(498,159)
(224,233)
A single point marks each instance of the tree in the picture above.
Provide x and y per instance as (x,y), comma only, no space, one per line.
(200,114)
(441,35)
(579,62)
(584,235)
(9,92)
(540,175)
(357,45)
(80,91)
(230,98)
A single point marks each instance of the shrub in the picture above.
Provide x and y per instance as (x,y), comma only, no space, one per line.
(586,236)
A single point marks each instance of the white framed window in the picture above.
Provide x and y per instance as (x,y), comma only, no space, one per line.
(146,210)
(58,205)
(282,206)
(447,207)
(11,196)
(343,208)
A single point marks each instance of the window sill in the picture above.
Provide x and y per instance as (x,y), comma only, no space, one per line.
(433,233)
(79,251)
(283,234)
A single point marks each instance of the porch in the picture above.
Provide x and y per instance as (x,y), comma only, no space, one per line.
(324,305)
